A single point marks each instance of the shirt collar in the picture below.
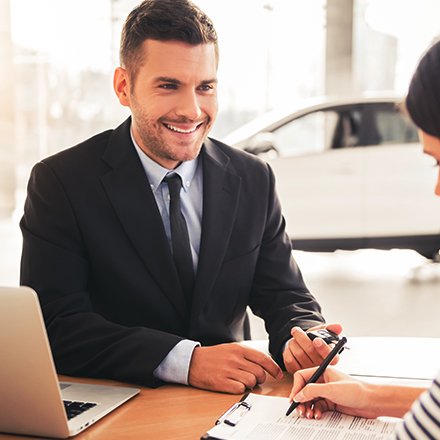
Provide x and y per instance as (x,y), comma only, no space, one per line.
(155,172)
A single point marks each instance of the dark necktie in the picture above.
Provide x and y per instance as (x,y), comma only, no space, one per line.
(180,238)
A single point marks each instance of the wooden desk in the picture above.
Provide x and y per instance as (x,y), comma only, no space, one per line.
(184,413)
(169,412)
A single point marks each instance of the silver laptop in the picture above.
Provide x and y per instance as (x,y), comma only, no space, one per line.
(32,401)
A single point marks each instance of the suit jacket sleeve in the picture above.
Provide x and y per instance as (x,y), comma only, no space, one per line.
(279,294)
(55,263)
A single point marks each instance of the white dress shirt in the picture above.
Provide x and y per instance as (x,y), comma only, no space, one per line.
(175,366)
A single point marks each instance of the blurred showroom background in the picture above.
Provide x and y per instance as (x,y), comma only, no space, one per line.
(57,61)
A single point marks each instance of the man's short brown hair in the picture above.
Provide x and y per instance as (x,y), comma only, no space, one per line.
(163,20)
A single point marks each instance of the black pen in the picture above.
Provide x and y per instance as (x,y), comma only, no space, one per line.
(318,373)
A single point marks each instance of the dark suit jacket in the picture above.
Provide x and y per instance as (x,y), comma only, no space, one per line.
(95,250)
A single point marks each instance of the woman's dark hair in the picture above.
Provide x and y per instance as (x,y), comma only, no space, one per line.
(423,99)
(163,20)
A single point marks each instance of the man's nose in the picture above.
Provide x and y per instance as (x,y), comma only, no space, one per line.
(189,106)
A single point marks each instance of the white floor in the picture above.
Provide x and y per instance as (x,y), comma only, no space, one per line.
(370,292)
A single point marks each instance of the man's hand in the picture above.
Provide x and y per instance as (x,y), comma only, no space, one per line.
(230,368)
(301,352)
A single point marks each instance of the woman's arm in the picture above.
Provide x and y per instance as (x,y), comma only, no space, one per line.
(340,392)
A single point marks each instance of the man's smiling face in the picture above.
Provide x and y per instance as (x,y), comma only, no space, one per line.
(173,99)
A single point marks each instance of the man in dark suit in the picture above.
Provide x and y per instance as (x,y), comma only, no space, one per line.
(99,234)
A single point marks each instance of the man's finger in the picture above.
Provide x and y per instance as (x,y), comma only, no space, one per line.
(305,345)
(290,362)
(335,328)
(234,387)
(256,370)
(300,354)
(245,377)
(264,361)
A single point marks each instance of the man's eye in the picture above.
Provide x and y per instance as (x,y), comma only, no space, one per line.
(206,88)
(168,86)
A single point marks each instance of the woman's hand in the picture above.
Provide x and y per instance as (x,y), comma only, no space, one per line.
(337,391)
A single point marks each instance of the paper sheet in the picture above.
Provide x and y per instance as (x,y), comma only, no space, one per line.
(266,420)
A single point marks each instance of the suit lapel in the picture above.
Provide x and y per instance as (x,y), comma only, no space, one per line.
(129,192)
(221,189)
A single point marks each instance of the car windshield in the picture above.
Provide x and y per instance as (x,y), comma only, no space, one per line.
(347,126)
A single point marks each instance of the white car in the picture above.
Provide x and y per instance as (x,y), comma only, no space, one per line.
(350,174)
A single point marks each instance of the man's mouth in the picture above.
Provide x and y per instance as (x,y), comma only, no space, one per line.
(182,130)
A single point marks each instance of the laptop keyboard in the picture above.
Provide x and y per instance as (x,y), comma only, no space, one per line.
(74,408)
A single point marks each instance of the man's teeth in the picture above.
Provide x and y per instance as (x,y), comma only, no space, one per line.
(179,130)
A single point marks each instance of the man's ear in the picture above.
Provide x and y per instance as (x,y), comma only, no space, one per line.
(121,85)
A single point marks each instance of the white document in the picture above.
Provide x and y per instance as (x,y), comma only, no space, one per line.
(265,420)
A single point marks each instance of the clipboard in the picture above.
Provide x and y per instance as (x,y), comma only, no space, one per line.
(263,416)
(231,416)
